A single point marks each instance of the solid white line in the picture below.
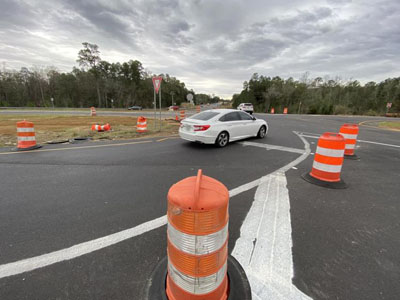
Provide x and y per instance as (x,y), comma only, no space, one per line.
(376,143)
(273,147)
(361,141)
(266,255)
(44,260)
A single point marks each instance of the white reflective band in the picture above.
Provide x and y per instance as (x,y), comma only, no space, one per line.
(330,152)
(25,129)
(141,129)
(197,285)
(327,168)
(142,123)
(350,146)
(97,127)
(197,244)
(349,136)
(26,138)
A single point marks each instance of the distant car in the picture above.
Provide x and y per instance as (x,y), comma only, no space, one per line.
(135,107)
(173,107)
(247,107)
(221,126)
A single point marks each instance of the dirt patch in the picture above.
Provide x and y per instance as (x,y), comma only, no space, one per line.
(57,128)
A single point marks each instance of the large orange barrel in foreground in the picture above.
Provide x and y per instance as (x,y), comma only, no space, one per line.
(197,239)
(198,265)
(182,114)
(328,161)
(349,132)
(26,136)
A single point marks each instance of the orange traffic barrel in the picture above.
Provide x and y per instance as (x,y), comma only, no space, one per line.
(328,161)
(198,108)
(350,133)
(141,125)
(26,136)
(198,266)
(272,110)
(285,110)
(182,114)
(101,128)
(93,111)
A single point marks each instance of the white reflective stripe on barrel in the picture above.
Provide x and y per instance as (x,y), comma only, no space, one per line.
(329,152)
(25,129)
(26,138)
(350,146)
(349,136)
(197,244)
(197,285)
(141,129)
(327,168)
(142,123)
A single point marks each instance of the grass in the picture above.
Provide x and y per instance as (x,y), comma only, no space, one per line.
(58,128)
(391,125)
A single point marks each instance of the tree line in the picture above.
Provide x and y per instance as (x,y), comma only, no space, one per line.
(319,95)
(96,83)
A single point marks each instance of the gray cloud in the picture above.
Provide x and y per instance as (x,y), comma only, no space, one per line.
(212,45)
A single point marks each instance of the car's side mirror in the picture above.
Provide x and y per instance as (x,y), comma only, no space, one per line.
(253,118)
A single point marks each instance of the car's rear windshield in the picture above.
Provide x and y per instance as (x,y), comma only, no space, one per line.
(205,115)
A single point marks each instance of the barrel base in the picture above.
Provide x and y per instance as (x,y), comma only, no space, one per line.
(332,185)
(239,287)
(352,157)
(37,146)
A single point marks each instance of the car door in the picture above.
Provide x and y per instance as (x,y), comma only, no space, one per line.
(249,126)
(231,122)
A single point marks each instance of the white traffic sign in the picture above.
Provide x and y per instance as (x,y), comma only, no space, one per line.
(389,105)
(189,97)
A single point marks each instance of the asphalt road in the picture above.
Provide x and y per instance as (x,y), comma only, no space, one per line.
(345,242)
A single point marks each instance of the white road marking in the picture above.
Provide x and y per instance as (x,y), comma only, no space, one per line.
(376,143)
(273,147)
(44,260)
(282,264)
(361,141)
(264,247)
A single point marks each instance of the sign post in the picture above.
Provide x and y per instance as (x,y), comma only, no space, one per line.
(157,85)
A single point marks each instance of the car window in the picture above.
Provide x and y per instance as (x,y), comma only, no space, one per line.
(205,115)
(233,116)
(245,116)
(248,104)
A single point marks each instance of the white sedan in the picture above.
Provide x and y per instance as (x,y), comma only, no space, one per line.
(220,126)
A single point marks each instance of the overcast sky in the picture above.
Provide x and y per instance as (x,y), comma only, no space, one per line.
(213,46)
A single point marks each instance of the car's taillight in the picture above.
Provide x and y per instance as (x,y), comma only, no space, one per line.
(201,127)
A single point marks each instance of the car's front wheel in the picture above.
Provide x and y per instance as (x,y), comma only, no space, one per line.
(262,132)
(222,139)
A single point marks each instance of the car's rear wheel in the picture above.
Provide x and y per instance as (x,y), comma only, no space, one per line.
(262,132)
(222,139)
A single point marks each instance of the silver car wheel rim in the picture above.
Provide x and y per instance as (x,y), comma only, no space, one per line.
(223,138)
(262,132)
